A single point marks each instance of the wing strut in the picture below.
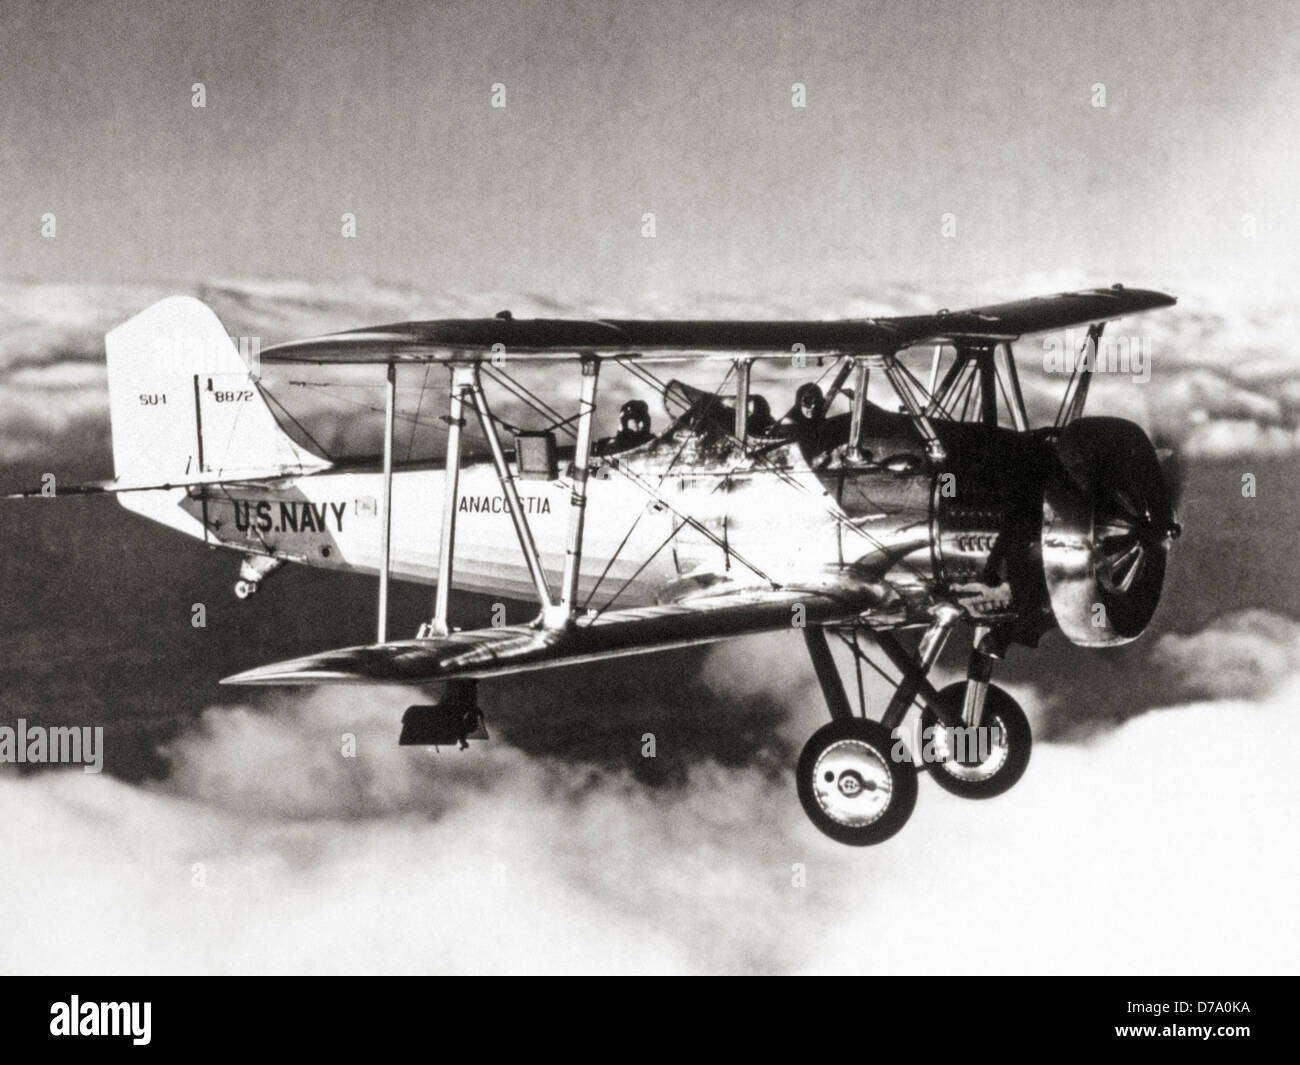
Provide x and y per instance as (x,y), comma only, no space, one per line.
(1009,379)
(386,520)
(578,500)
(460,383)
(988,377)
(1076,393)
(860,383)
(743,368)
(898,378)
(527,545)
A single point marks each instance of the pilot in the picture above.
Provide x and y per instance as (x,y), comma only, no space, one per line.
(759,420)
(633,428)
(804,422)
(811,404)
(808,412)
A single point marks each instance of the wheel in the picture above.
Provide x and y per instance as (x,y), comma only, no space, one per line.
(1007,754)
(243,589)
(849,784)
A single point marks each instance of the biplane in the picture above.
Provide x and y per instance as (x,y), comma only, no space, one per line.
(843,518)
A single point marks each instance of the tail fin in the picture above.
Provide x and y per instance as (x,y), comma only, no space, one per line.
(185,403)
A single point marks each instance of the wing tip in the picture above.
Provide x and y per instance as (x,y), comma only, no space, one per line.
(287,675)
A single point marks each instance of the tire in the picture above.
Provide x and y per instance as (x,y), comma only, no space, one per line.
(1006,762)
(850,786)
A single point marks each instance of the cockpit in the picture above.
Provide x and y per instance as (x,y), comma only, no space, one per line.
(712,420)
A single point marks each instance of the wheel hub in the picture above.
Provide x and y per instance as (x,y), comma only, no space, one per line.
(972,767)
(852,783)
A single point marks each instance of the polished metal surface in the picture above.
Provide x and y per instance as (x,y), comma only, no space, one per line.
(852,783)
(1108,522)
(998,751)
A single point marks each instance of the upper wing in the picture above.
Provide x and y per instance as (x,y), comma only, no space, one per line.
(549,339)
(519,648)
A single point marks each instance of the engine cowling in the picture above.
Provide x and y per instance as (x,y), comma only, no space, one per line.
(1108,521)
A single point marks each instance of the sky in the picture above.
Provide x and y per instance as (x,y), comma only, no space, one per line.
(981,111)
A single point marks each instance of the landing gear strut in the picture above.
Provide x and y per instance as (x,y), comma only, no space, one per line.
(858,782)
(850,783)
(986,749)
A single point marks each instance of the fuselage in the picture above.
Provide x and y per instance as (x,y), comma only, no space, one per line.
(684,507)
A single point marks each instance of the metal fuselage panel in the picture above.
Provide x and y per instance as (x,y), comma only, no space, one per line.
(753,519)
(333,520)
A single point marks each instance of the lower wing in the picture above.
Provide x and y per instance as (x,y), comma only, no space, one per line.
(520,648)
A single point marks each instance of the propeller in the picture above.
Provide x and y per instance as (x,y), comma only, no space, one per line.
(1108,521)
(1126,534)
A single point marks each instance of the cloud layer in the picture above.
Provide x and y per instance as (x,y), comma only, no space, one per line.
(1154,848)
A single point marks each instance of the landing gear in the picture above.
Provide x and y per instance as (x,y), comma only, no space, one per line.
(982,762)
(858,783)
(850,785)
(252,571)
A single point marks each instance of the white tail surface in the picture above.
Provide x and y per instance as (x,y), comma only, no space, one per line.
(185,402)
(185,406)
